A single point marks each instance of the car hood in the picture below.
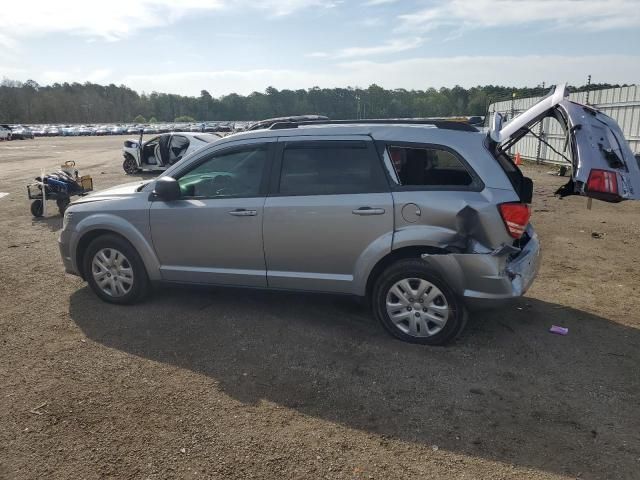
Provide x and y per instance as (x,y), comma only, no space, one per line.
(119,191)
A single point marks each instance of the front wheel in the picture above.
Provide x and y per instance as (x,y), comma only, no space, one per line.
(114,270)
(129,165)
(416,305)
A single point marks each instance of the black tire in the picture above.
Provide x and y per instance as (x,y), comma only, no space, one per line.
(129,165)
(417,269)
(37,208)
(62,203)
(140,285)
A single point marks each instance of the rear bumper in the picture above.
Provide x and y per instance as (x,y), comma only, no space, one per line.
(487,280)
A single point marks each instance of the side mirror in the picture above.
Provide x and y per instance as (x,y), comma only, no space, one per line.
(167,189)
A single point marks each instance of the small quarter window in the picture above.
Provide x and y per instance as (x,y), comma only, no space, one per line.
(427,167)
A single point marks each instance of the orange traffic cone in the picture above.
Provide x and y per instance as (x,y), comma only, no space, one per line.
(518,160)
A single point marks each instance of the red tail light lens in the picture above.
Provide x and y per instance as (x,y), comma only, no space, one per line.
(603,181)
(516,217)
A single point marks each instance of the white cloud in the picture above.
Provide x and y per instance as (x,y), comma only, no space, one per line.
(392,46)
(99,75)
(113,20)
(370,22)
(585,14)
(416,73)
(118,19)
(374,3)
(280,8)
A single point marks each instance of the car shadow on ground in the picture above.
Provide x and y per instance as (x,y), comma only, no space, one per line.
(507,390)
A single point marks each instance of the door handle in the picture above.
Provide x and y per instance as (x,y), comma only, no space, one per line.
(368,211)
(243,212)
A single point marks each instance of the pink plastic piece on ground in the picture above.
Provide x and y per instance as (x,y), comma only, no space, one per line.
(559,330)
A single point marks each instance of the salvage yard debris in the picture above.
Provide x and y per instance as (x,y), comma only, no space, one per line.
(559,330)
(36,410)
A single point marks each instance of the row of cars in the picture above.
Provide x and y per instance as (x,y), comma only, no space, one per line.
(15,132)
(22,132)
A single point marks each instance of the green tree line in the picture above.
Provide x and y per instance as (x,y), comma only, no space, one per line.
(30,102)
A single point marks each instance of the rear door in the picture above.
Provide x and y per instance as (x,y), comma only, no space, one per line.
(177,148)
(329,203)
(603,165)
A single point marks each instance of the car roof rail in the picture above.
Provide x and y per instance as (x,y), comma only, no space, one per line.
(437,123)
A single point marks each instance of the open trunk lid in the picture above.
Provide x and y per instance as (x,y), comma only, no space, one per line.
(603,165)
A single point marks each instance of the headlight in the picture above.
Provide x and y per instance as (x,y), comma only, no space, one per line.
(66,219)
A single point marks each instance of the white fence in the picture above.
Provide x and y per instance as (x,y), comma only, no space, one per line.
(622,104)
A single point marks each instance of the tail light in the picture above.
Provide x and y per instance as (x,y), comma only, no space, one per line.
(604,184)
(516,217)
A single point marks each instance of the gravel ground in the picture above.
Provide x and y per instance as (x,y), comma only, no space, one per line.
(221,383)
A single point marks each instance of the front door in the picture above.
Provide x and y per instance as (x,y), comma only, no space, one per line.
(213,234)
(329,203)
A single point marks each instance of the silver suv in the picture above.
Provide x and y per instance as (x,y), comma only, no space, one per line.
(424,219)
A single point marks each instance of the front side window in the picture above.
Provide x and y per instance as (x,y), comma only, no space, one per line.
(414,166)
(328,170)
(233,174)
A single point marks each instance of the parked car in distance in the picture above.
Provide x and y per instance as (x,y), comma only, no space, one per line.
(40,131)
(426,219)
(5,132)
(20,132)
(117,130)
(162,151)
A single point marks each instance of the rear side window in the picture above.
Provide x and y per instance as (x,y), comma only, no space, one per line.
(315,169)
(414,166)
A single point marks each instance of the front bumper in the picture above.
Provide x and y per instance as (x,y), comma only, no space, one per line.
(64,244)
(487,279)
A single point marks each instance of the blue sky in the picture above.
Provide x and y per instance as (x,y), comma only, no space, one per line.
(241,46)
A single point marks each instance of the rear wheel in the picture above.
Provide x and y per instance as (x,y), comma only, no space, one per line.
(37,208)
(114,270)
(416,305)
(129,165)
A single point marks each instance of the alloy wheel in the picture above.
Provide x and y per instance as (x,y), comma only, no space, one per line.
(112,272)
(417,307)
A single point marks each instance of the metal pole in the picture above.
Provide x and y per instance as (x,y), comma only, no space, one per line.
(513,100)
(588,85)
(540,133)
(44,194)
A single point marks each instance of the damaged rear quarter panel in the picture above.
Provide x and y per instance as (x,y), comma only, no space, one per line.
(485,278)
(456,221)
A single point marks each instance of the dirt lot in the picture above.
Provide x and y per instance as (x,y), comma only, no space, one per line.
(231,384)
